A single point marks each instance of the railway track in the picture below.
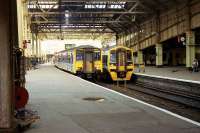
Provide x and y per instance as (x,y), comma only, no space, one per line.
(186,94)
(161,97)
(184,97)
(183,92)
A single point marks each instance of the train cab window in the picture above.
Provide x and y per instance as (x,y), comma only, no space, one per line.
(112,57)
(97,56)
(129,56)
(79,55)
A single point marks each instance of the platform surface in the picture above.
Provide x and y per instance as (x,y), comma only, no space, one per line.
(172,72)
(58,97)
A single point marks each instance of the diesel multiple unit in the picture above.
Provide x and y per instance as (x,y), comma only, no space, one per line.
(86,61)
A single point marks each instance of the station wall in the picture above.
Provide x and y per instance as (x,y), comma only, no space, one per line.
(166,25)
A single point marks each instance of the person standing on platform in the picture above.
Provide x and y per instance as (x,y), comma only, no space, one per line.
(34,62)
(195,65)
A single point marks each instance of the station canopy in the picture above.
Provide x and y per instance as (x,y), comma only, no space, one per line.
(92,16)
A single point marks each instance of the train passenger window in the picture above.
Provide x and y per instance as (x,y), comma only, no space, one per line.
(79,55)
(129,56)
(97,55)
(68,57)
(113,57)
(71,59)
(64,57)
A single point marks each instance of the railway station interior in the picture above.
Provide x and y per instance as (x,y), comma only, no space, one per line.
(100,66)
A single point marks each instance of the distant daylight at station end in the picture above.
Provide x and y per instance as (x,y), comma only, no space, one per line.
(100,66)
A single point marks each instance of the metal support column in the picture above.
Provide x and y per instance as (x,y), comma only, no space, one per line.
(20,18)
(124,40)
(190,48)
(36,45)
(140,57)
(40,50)
(33,44)
(159,55)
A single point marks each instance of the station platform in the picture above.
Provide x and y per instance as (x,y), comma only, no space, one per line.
(59,99)
(174,73)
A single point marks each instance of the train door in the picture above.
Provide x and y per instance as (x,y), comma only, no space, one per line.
(121,63)
(121,60)
(88,62)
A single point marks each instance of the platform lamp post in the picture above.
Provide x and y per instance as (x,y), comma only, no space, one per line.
(33,44)
(36,39)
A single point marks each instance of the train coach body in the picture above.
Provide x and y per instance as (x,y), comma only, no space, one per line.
(84,61)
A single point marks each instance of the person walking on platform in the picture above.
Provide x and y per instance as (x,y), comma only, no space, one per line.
(34,62)
(195,65)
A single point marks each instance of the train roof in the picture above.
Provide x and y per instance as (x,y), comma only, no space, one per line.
(79,47)
(115,47)
(84,46)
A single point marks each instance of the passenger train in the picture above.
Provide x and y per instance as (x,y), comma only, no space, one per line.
(118,63)
(84,61)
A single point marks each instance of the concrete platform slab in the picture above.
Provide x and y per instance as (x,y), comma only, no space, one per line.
(58,97)
(180,73)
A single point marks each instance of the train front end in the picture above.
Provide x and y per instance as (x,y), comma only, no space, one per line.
(88,62)
(121,63)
